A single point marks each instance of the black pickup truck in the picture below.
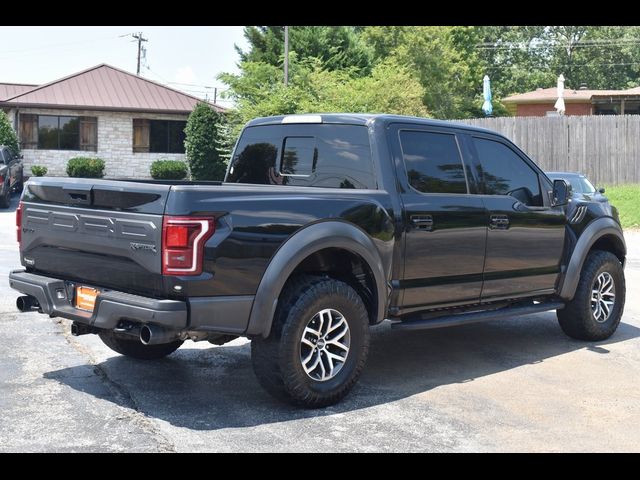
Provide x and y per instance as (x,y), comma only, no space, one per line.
(324,225)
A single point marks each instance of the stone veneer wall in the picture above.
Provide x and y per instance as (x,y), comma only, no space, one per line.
(115,144)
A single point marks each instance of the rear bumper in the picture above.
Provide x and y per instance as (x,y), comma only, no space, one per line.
(111,306)
(229,314)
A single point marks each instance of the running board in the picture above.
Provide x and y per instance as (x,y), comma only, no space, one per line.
(475,317)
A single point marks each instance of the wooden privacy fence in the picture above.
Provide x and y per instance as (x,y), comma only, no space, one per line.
(606,148)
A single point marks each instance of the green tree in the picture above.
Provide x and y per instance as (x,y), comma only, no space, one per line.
(602,57)
(202,143)
(336,47)
(520,59)
(515,58)
(8,135)
(448,62)
(258,90)
(442,59)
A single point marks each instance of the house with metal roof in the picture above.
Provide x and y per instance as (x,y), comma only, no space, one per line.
(540,102)
(103,112)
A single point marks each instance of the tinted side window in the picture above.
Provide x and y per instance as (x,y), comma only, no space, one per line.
(5,156)
(503,172)
(433,162)
(333,156)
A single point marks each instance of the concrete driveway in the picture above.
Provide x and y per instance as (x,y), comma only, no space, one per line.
(515,385)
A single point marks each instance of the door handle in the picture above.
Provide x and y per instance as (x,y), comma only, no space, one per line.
(422,222)
(498,222)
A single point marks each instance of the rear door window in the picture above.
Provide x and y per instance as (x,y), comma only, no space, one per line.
(325,155)
(433,162)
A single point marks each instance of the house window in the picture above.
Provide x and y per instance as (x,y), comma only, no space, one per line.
(158,136)
(58,132)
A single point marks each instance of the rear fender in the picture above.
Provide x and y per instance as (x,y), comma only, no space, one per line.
(328,234)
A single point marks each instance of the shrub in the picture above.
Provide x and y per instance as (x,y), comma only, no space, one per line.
(8,135)
(168,170)
(39,171)
(85,167)
(203,143)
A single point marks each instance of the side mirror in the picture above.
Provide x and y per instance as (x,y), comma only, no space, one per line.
(560,192)
(601,190)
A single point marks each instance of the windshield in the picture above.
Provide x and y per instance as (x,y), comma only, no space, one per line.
(581,185)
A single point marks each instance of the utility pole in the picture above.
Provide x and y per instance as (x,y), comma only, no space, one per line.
(286,56)
(140,39)
(215,95)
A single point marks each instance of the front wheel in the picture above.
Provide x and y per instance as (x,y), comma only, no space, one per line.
(318,343)
(131,346)
(596,309)
(5,198)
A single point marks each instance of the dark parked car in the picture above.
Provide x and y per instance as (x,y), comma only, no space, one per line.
(580,186)
(325,225)
(11,175)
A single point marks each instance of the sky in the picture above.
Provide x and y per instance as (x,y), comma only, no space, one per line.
(185,58)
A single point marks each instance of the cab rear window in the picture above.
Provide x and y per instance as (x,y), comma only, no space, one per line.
(332,156)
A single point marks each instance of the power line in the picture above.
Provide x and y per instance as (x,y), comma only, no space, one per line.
(547,44)
(189,84)
(567,65)
(55,45)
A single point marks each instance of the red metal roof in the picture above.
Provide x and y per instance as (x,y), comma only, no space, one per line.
(104,87)
(8,90)
(545,95)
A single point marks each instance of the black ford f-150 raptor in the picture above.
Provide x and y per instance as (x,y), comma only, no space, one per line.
(325,225)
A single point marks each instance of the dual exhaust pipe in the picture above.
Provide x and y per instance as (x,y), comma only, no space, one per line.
(148,334)
(154,335)
(27,303)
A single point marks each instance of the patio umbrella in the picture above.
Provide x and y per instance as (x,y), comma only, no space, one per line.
(559,106)
(486,93)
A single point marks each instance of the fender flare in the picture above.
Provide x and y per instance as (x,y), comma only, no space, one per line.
(327,234)
(594,231)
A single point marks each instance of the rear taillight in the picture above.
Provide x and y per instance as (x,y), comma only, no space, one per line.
(1,178)
(183,240)
(19,224)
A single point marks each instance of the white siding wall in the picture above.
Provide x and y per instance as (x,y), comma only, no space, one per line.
(115,144)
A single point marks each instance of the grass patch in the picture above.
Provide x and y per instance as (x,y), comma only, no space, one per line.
(626,198)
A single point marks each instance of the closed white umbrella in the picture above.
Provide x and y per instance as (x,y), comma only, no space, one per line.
(559,106)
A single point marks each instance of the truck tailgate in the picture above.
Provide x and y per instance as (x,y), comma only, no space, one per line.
(98,232)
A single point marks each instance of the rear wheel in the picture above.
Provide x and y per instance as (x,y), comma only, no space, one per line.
(596,309)
(318,343)
(132,347)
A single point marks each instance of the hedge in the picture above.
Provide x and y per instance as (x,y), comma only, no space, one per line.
(85,167)
(39,171)
(169,170)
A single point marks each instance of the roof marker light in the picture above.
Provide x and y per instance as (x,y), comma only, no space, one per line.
(302,119)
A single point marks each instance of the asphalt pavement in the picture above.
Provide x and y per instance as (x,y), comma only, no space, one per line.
(508,385)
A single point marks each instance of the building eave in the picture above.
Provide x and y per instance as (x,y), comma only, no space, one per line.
(91,107)
(545,101)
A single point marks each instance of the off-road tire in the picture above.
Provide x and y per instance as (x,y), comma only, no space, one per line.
(576,318)
(276,359)
(132,347)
